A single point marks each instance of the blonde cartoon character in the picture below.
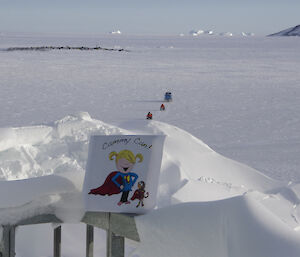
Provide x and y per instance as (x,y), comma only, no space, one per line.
(121,180)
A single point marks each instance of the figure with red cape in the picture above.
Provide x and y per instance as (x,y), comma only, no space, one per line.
(123,179)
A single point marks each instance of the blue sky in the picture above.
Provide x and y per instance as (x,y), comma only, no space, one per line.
(147,17)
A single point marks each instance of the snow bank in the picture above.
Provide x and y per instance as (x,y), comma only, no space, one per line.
(233,227)
(188,163)
(53,194)
(27,152)
(216,206)
(42,168)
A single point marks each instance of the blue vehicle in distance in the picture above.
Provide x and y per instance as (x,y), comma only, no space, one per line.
(168,96)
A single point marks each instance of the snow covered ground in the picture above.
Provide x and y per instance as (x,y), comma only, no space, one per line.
(240,96)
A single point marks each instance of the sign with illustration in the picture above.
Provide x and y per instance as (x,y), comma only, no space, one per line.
(122,173)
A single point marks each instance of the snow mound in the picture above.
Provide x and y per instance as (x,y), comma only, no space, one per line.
(53,194)
(189,162)
(293,31)
(233,227)
(42,167)
(27,152)
(218,206)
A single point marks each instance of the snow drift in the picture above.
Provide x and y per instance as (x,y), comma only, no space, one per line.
(233,227)
(217,206)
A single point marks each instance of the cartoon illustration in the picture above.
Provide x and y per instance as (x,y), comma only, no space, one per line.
(121,180)
(140,194)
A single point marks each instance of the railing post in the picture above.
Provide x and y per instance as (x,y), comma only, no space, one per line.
(12,241)
(5,241)
(114,244)
(57,242)
(8,241)
(121,225)
(89,240)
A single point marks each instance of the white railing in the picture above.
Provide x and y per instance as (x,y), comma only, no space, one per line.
(117,226)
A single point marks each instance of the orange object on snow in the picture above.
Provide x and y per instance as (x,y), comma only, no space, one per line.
(149,116)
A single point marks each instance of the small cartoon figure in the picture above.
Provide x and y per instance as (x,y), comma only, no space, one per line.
(140,194)
(121,180)
(149,116)
(162,107)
